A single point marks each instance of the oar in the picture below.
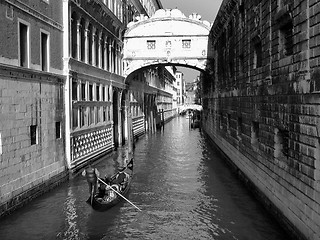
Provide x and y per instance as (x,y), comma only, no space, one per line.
(119,194)
(92,191)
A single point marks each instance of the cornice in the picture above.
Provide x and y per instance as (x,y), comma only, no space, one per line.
(30,75)
(34,13)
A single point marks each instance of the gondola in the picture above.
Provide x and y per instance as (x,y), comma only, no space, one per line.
(103,201)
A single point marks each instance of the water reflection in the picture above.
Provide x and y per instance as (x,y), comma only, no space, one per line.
(72,231)
(182,185)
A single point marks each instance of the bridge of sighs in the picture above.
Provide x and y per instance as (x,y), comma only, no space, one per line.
(167,38)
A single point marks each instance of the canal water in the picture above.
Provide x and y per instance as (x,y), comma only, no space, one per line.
(183,186)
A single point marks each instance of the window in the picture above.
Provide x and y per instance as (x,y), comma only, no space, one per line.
(257,57)
(286,40)
(75,117)
(58,130)
(103,94)
(74,35)
(91,115)
(240,127)
(44,50)
(23,45)
(104,114)
(83,91)
(98,93)
(186,43)
(74,90)
(255,132)
(90,92)
(33,134)
(281,143)
(151,44)
(82,116)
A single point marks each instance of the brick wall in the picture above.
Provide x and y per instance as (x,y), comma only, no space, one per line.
(262,106)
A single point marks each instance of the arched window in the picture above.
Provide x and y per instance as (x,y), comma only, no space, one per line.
(114,57)
(74,35)
(103,51)
(90,38)
(97,47)
(108,54)
(82,40)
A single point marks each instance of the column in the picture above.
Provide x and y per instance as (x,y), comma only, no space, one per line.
(111,56)
(93,47)
(105,42)
(78,52)
(86,42)
(99,63)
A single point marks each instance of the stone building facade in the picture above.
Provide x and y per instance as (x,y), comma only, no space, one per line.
(32,121)
(64,99)
(261,103)
(98,98)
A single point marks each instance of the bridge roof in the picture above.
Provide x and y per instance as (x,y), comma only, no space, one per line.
(191,107)
(166,22)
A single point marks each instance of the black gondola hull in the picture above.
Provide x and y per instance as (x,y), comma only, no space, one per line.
(102,206)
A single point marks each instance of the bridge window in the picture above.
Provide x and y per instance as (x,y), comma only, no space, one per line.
(151,44)
(186,43)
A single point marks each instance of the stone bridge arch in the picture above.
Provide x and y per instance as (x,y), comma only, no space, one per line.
(167,38)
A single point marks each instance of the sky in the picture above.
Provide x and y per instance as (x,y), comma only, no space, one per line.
(208,10)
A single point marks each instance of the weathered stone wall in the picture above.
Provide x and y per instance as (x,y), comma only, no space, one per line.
(32,119)
(29,98)
(261,103)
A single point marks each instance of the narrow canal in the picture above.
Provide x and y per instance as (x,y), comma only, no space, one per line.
(183,186)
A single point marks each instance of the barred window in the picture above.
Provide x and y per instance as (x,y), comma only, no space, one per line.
(286,40)
(186,43)
(257,57)
(151,44)
(33,134)
(58,130)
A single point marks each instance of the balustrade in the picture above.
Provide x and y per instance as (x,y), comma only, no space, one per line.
(91,142)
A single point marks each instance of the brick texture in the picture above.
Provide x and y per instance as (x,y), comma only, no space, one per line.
(266,73)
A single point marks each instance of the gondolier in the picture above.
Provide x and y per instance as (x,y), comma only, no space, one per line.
(114,192)
(92,175)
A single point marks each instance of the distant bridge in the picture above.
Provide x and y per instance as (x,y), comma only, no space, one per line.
(188,107)
(167,38)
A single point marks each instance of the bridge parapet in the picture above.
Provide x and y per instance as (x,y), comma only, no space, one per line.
(167,38)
